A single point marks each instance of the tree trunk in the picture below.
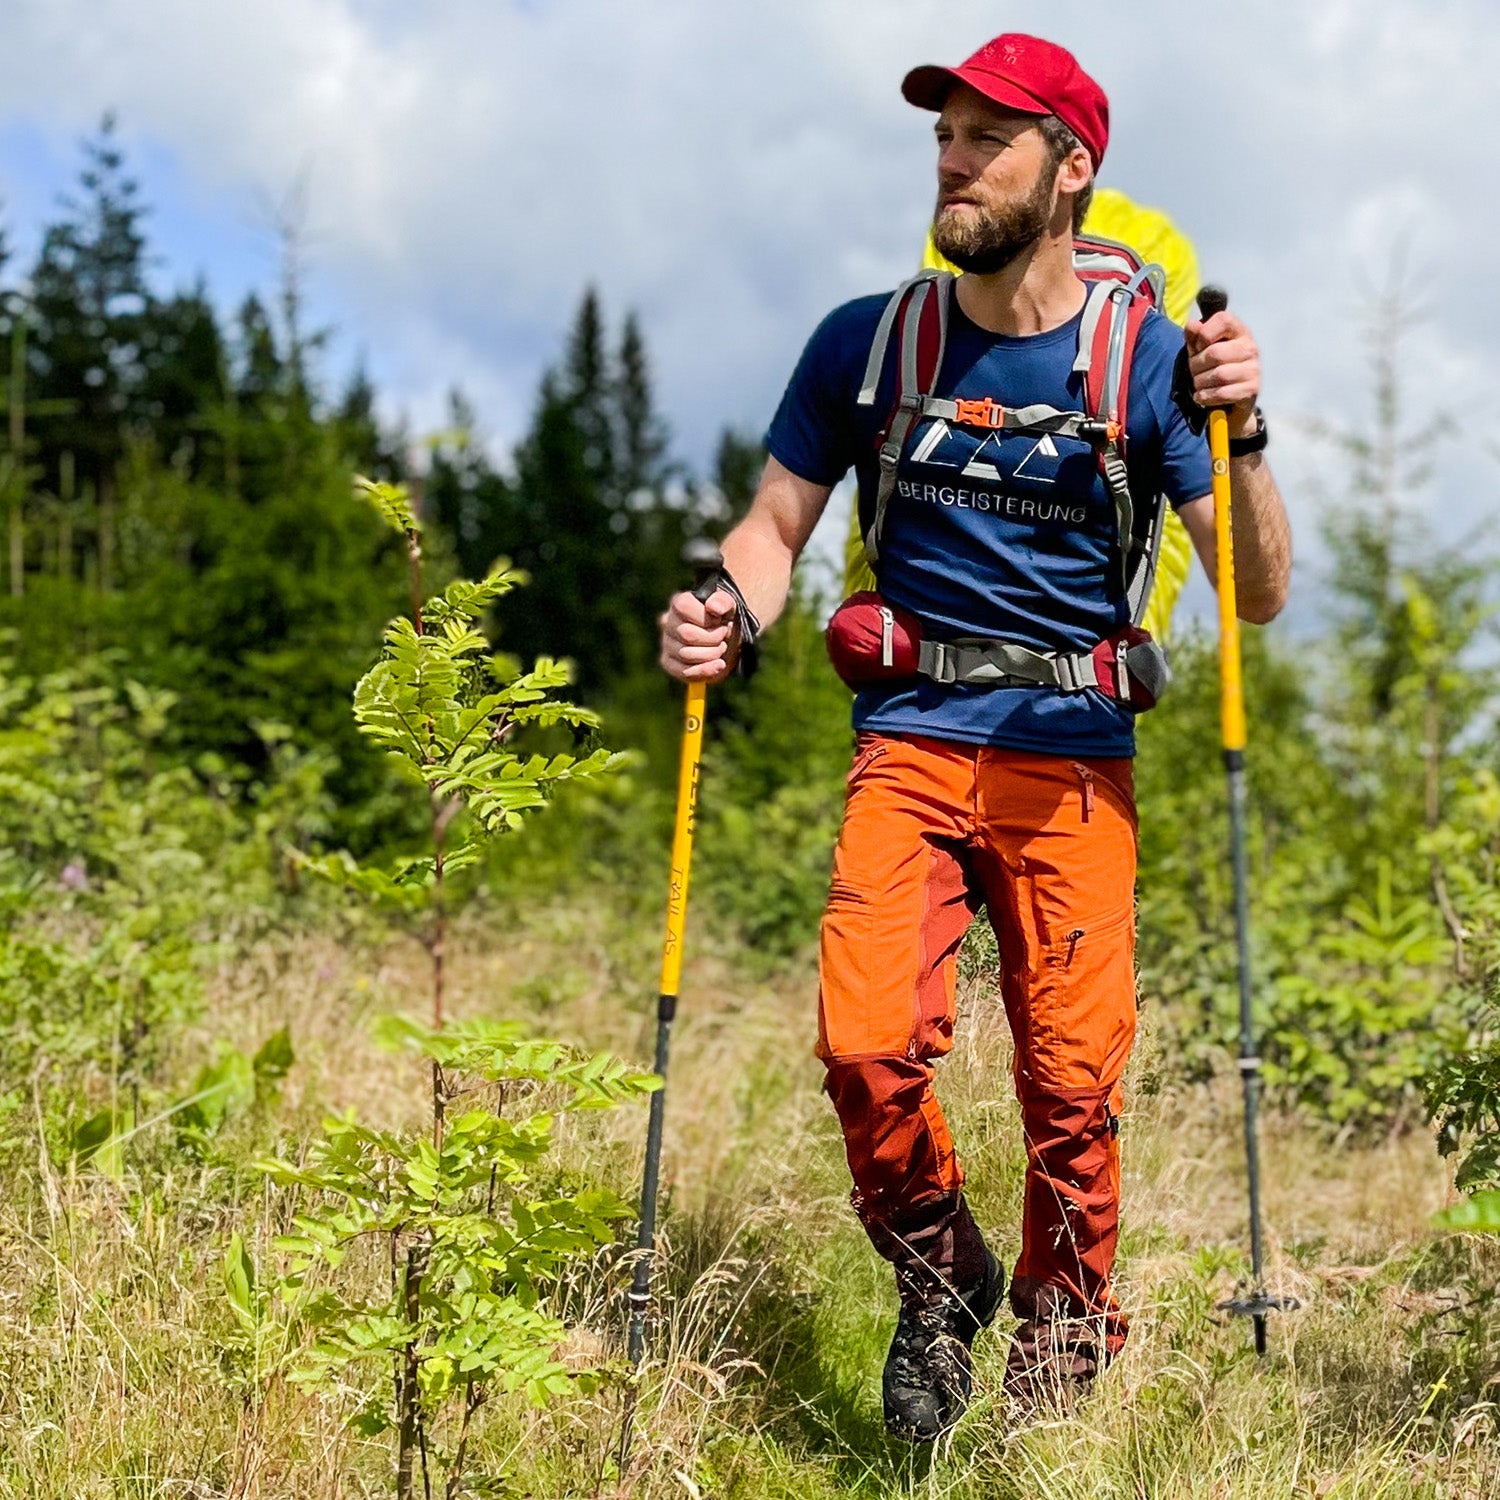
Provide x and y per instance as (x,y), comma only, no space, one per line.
(67,475)
(439,944)
(408,1413)
(1432,815)
(106,530)
(18,542)
(18,460)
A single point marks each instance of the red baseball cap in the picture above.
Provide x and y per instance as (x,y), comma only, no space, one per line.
(1027,74)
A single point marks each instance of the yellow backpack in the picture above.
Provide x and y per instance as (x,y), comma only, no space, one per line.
(1154,238)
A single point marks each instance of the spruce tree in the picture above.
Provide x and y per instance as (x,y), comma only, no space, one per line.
(259,376)
(588,515)
(90,305)
(737,470)
(182,380)
(467,498)
(366,446)
(586,387)
(642,435)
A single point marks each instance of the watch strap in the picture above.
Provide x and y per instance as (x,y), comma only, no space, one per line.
(1254,442)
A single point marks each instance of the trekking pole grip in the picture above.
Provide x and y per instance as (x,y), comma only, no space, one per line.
(1211,300)
(707,563)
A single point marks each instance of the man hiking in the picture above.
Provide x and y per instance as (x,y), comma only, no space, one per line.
(1008,501)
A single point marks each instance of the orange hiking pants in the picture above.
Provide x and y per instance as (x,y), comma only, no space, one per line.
(932,829)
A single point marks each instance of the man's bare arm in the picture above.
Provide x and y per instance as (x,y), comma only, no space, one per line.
(1224,362)
(700,641)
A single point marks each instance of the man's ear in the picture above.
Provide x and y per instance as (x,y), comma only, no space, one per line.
(1075,172)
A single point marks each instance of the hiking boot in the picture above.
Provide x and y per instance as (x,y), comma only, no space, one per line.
(950,1287)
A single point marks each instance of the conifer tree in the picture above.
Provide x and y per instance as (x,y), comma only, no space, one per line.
(366,447)
(586,387)
(182,379)
(588,516)
(737,469)
(261,369)
(89,309)
(642,436)
(466,497)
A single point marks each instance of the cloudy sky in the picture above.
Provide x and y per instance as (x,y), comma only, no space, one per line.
(732,170)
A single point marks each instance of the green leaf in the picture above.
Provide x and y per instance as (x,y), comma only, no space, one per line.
(273,1061)
(223,1089)
(239,1281)
(370,1421)
(92,1134)
(389,501)
(1479,1214)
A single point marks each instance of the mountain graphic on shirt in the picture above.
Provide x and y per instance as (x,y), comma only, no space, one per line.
(947,447)
(1041,463)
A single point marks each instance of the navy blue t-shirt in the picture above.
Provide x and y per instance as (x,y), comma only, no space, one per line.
(992,534)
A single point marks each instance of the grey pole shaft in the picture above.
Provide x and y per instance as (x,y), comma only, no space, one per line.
(640,1287)
(1234,764)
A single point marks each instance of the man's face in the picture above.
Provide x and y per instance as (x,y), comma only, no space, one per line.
(997,183)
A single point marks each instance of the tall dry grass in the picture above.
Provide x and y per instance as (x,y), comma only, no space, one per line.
(121,1374)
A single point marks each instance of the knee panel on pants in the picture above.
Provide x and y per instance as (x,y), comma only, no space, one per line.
(900,1152)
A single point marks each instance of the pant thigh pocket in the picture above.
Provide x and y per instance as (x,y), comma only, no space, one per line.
(865,984)
(1081,1005)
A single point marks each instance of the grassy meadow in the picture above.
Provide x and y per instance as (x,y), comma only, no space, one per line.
(125,1374)
(216,879)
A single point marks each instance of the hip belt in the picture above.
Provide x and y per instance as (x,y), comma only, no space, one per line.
(871,641)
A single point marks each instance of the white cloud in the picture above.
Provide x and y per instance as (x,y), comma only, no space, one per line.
(733,170)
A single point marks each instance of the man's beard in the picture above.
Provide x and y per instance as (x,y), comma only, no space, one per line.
(985,240)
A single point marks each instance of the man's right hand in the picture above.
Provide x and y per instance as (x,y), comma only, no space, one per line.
(700,642)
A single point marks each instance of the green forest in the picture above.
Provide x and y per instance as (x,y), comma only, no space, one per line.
(326,1036)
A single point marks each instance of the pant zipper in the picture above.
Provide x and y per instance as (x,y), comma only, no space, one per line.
(1086,776)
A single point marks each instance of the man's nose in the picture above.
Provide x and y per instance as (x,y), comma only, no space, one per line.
(955,165)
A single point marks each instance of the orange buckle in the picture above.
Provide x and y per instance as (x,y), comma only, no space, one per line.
(983,413)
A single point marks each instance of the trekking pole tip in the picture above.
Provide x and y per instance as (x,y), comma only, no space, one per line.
(1211,300)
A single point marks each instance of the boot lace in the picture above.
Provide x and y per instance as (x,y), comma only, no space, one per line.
(928,1347)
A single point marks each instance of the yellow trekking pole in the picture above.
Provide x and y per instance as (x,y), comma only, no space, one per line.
(1213,300)
(707,563)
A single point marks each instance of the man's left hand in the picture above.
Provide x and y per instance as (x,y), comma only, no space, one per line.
(1224,363)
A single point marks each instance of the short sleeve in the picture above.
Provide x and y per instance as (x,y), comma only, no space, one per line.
(1186,469)
(814,430)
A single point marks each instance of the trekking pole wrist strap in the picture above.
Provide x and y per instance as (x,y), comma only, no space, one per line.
(745,621)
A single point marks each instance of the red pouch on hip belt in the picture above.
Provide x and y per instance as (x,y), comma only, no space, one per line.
(1132,669)
(871,641)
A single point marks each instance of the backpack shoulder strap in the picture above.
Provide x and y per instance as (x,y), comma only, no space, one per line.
(1125,292)
(917,314)
(881,344)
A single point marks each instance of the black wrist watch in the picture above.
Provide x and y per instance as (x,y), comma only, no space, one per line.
(1243,447)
